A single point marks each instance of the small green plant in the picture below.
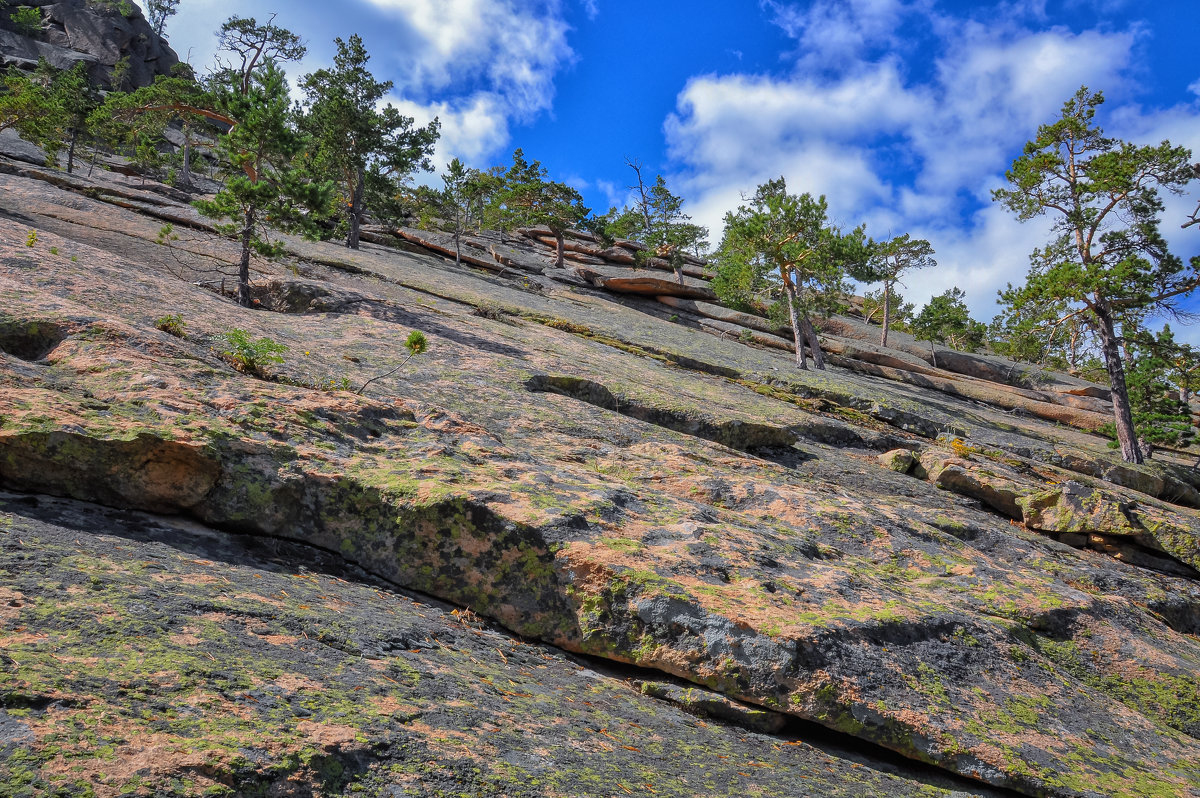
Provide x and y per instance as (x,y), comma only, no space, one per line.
(31,239)
(334,384)
(172,324)
(250,356)
(53,250)
(74,259)
(416,344)
(166,234)
(28,20)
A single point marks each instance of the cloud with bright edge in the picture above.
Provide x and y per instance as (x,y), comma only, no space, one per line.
(507,50)
(843,133)
(477,65)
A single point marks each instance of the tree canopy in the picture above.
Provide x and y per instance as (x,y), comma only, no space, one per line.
(1106,258)
(530,198)
(656,218)
(889,260)
(781,246)
(353,136)
(946,320)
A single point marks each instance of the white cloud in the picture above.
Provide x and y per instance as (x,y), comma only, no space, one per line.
(993,92)
(478,65)
(829,31)
(591,8)
(511,47)
(902,155)
(472,128)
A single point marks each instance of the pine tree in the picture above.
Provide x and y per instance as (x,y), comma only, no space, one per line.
(1107,259)
(266,185)
(74,94)
(1160,415)
(784,243)
(946,320)
(656,219)
(159,11)
(454,192)
(353,137)
(28,106)
(531,199)
(891,259)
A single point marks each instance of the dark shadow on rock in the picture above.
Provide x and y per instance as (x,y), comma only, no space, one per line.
(761,440)
(394,315)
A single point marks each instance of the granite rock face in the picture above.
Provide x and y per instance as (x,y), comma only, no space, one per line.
(95,32)
(908,570)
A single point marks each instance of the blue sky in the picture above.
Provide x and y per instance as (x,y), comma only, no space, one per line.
(905,113)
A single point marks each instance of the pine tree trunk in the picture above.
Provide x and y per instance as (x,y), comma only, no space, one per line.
(356,210)
(790,291)
(814,343)
(1123,414)
(457,237)
(71,151)
(186,178)
(559,239)
(887,311)
(244,265)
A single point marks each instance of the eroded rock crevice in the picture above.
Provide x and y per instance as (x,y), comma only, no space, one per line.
(736,434)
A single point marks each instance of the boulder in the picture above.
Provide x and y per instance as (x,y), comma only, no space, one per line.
(899,460)
(516,258)
(1073,507)
(95,33)
(629,281)
(714,311)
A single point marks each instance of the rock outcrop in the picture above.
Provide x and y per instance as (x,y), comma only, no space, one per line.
(99,33)
(900,585)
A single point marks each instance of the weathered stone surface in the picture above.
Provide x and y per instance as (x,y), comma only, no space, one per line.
(899,460)
(713,311)
(682,502)
(714,705)
(1072,507)
(96,33)
(165,651)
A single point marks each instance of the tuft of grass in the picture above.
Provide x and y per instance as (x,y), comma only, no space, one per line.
(172,324)
(250,356)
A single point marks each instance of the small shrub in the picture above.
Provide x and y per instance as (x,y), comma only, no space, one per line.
(28,20)
(250,356)
(31,239)
(489,310)
(166,234)
(53,250)
(416,343)
(172,324)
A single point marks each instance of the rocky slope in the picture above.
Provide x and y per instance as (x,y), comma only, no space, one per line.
(100,33)
(936,559)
